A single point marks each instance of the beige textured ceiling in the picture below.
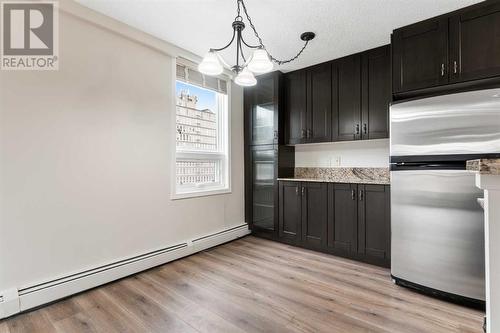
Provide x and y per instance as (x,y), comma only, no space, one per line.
(342,26)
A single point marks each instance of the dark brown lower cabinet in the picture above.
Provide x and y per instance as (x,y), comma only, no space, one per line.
(290,211)
(314,214)
(342,218)
(303,213)
(374,227)
(349,220)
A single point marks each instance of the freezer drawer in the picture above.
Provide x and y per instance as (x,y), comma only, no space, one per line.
(458,124)
(438,231)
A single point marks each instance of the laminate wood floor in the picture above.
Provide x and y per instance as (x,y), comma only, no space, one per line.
(252,285)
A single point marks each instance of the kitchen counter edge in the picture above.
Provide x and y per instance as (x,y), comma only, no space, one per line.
(485,166)
(344,181)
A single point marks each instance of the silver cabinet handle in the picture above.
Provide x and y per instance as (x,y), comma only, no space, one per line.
(365,128)
(309,133)
(303,134)
(455,67)
(353,194)
(356,129)
(442,69)
(361,195)
(296,190)
(303,191)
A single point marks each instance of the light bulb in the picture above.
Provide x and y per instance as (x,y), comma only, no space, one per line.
(245,78)
(260,62)
(211,65)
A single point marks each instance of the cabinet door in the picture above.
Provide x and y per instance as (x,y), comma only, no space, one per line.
(295,118)
(342,218)
(319,98)
(374,223)
(335,102)
(420,55)
(475,44)
(262,111)
(290,211)
(349,98)
(314,214)
(263,175)
(376,93)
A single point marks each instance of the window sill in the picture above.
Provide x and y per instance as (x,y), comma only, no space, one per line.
(200,193)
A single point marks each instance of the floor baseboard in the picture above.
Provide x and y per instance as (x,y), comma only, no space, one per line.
(16,301)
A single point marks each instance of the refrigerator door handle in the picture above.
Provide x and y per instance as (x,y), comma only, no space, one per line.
(460,165)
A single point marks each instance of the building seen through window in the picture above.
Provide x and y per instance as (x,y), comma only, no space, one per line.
(200,146)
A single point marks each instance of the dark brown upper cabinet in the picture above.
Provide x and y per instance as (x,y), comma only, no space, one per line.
(375,93)
(420,55)
(348,70)
(342,100)
(296,107)
(309,105)
(475,43)
(453,52)
(319,103)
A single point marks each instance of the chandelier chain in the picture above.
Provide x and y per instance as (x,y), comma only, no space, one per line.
(279,62)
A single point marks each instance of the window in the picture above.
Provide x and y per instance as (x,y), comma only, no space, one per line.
(201,134)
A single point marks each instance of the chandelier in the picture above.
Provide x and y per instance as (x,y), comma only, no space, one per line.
(261,61)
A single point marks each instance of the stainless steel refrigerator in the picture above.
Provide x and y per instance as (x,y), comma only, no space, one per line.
(437,223)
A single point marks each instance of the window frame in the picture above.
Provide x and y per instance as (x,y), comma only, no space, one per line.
(223,155)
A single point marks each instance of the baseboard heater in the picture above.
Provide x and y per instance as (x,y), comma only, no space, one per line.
(48,291)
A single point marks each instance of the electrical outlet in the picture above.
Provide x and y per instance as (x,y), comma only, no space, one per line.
(334,161)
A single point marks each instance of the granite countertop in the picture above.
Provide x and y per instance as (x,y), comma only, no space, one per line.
(342,175)
(485,166)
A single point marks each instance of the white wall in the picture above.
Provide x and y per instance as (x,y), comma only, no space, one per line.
(85,159)
(373,153)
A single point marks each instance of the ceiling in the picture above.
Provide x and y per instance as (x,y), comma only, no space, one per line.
(342,27)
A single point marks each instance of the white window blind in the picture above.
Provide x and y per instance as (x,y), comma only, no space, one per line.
(191,75)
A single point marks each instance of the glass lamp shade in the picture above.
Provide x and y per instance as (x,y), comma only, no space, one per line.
(245,78)
(260,62)
(211,65)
